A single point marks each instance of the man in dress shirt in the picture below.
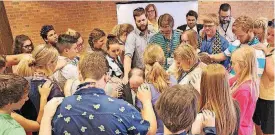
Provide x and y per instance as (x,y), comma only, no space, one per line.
(191,18)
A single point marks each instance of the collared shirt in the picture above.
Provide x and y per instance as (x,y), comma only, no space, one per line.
(194,28)
(259,55)
(115,67)
(207,44)
(135,45)
(91,112)
(226,32)
(168,46)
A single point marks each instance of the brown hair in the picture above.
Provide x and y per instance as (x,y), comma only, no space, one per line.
(147,8)
(243,22)
(95,35)
(192,37)
(2,62)
(12,88)
(211,18)
(218,98)
(138,12)
(154,59)
(73,33)
(18,43)
(177,107)
(166,19)
(119,29)
(111,39)
(41,56)
(93,65)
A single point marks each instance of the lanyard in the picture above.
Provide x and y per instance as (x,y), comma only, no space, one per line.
(186,73)
(225,29)
(169,45)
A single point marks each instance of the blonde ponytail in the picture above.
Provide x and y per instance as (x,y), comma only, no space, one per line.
(25,67)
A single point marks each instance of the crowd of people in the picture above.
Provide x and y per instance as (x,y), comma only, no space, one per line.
(215,78)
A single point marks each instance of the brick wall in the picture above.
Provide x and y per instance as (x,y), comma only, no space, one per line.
(253,9)
(28,17)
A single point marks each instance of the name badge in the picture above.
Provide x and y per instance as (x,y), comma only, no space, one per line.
(170,61)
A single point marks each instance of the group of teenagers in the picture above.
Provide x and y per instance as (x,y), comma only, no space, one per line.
(215,78)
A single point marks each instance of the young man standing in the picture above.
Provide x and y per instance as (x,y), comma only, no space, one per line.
(48,35)
(136,43)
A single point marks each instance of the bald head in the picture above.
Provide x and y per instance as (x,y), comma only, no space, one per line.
(136,78)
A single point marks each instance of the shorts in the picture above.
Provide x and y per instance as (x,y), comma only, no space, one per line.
(264,115)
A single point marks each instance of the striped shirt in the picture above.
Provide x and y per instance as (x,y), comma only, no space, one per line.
(259,55)
(166,43)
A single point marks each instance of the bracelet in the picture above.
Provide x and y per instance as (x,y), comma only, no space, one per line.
(268,55)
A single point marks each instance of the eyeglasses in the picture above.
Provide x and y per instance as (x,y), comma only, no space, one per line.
(151,11)
(28,46)
(225,17)
(209,26)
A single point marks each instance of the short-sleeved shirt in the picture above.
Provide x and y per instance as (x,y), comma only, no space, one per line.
(91,112)
(206,46)
(155,95)
(259,55)
(9,126)
(135,45)
(167,43)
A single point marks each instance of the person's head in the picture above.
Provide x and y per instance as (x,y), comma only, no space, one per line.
(244,63)
(260,28)
(191,18)
(210,24)
(67,46)
(177,107)
(140,19)
(113,46)
(2,64)
(44,60)
(243,29)
(225,13)
(185,57)
(166,24)
(97,38)
(190,37)
(48,34)
(151,12)
(218,98)
(121,31)
(154,58)
(80,47)
(270,35)
(13,92)
(93,66)
(136,78)
(22,44)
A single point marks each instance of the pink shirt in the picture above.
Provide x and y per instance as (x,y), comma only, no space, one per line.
(247,104)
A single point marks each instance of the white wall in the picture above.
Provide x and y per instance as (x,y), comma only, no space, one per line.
(177,9)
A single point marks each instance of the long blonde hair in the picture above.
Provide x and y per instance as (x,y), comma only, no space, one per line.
(215,96)
(262,23)
(41,56)
(154,73)
(246,59)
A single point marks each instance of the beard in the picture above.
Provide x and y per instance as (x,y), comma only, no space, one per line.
(142,27)
(224,21)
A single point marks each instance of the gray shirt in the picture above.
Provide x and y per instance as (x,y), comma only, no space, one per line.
(135,45)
